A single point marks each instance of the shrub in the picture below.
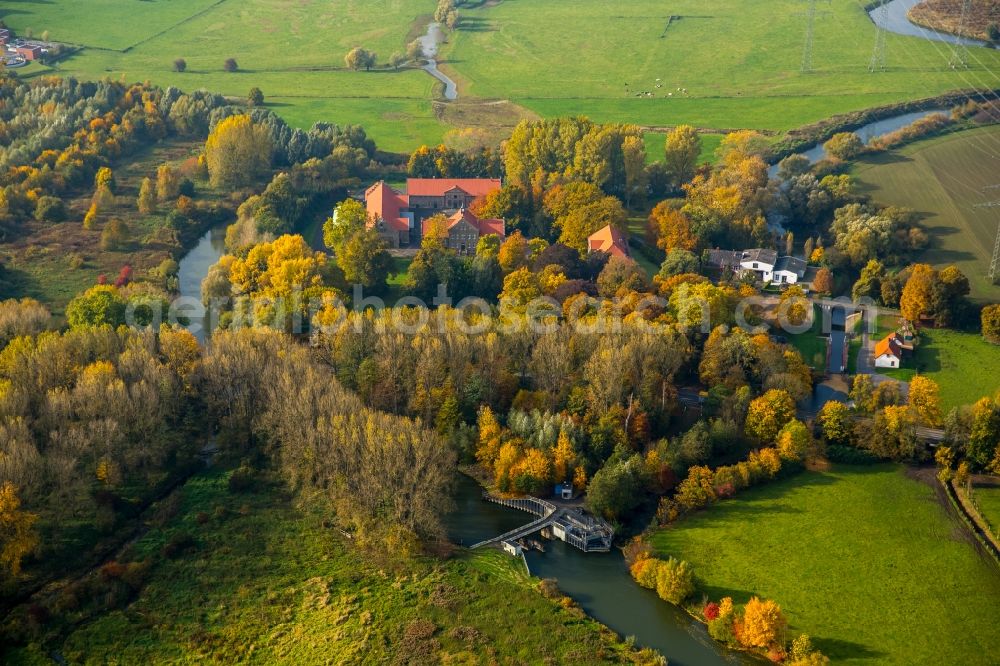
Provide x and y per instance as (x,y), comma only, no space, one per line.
(50,209)
(179,543)
(849,456)
(180,65)
(255,97)
(230,65)
(549,588)
(674,581)
(993,32)
(242,479)
(114,236)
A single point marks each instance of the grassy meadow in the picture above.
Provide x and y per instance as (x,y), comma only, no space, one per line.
(988,499)
(864,559)
(264,582)
(963,364)
(943,179)
(737,62)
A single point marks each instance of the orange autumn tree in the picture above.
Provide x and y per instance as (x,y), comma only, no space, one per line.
(17,534)
(763,623)
(671,228)
(490,434)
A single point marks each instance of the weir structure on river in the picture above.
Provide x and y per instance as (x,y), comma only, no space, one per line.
(568,524)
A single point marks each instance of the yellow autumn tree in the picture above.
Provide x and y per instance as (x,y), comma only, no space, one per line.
(768,414)
(563,456)
(925,399)
(238,152)
(580,478)
(763,623)
(17,534)
(490,433)
(507,460)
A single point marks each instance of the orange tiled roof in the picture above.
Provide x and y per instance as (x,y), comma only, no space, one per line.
(384,202)
(483,226)
(888,345)
(436,187)
(610,240)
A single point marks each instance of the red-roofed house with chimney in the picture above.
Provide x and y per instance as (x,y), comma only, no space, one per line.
(399,217)
(465,229)
(610,240)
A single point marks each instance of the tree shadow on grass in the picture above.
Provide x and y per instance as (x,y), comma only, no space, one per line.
(838,649)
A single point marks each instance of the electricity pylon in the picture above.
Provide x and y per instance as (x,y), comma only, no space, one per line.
(877,63)
(995,262)
(807,49)
(959,51)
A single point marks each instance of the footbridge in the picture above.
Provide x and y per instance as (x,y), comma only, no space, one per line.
(569,524)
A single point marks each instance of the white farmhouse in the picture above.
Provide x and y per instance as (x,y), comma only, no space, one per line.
(888,352)
(789,270)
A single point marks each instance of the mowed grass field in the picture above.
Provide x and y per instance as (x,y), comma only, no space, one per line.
(724,64)
(293,50)
(988,499)
(943,179)
(864,559)
(737,62)
(963,364)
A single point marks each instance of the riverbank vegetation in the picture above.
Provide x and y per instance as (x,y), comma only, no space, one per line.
(283,585)
(851,553)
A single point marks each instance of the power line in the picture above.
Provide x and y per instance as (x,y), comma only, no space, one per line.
(877,63)
(995,262)
(807,49)
(959,50)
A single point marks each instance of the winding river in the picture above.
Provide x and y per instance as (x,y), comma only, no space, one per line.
(893,17)
(193,268)
(600,583)
(867,132)
(429,43)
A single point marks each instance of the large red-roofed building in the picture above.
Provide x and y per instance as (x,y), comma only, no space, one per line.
(399,217)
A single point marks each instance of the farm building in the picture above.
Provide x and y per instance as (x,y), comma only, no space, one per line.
(29,52)
(464,230)
(764,264)
(437,194)
(398,216)
(888,352)
(610,240)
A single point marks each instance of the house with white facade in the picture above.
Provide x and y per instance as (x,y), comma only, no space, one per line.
(888,352)
(765,265)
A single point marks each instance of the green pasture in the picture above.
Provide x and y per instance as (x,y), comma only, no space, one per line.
(865,560)
(944,179)
(963,365)
(988,499)
(736,63)
(725,64)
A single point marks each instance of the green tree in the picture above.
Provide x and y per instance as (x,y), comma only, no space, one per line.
(147,197)
(97,306)
(844,145)
(230,65)
(115,235)
(364,260)
(255,97)
(349,217)
(990,319)
(681,151)
(617,488)
(359,58)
